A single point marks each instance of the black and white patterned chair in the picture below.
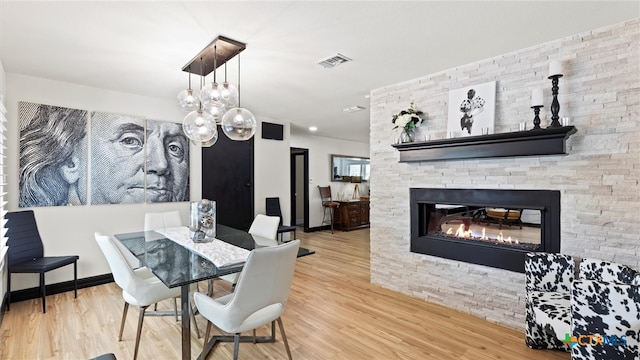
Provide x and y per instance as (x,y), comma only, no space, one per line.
(605,309)
(548,279)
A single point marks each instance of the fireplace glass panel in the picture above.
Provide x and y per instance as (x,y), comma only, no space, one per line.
(516,228)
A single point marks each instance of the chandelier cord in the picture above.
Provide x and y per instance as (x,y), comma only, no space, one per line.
(201,83)
(189,77)
(215,62)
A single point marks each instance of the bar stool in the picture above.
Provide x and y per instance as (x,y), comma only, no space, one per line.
(327,204)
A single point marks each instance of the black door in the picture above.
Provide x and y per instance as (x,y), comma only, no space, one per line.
(227,178)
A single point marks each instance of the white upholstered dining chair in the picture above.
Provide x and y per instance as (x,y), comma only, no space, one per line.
(260,295)
(139,287)
(162,220)
(265,227)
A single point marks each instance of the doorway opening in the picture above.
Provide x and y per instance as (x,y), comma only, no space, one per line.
(300,187)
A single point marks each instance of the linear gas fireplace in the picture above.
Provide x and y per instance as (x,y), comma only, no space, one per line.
(485,226)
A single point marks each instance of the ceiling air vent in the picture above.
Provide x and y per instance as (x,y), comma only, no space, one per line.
(333,61)
(354,108)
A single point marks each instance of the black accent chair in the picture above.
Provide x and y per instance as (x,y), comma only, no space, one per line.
(273,209)
(26,253)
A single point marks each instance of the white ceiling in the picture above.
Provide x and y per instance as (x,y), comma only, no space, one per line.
(140,47)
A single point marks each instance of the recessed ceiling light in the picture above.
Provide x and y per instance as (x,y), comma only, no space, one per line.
(313,128)
(354,108)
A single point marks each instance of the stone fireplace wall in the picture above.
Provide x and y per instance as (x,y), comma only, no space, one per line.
(598,179)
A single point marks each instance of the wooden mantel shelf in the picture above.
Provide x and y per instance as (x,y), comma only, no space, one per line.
(549,141)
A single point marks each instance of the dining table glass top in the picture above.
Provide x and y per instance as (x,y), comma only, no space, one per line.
(176,265)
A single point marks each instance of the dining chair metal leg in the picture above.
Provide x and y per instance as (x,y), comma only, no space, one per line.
(43,290)
(175,308)
(205,352)
(124,316)
(273,331)
(236,346)
(195,323)
(75,279)
(284,337)
(139,331)
(206,334)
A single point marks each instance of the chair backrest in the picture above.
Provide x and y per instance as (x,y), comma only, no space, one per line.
(123,275)
(162,220)
(265,280)
(265,226)
(272,207)
(23,237)
(548,272)
(325,193)
(600,270)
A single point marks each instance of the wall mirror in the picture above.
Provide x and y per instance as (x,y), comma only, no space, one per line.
(349,168)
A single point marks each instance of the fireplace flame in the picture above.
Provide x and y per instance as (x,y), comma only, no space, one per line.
(460,232)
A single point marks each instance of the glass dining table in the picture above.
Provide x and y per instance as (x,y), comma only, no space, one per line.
(176,265)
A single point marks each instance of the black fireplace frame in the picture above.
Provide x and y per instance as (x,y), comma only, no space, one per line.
(488,254)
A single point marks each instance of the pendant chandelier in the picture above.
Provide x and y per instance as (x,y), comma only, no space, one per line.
(215,104)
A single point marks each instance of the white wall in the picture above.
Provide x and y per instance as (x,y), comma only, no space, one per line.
(2,78)
(271,178)
(320,150)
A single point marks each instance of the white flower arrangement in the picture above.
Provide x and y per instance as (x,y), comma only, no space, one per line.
(407,120)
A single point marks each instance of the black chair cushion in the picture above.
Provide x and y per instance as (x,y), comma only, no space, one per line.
(43,264)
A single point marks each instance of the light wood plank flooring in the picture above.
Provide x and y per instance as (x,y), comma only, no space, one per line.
(333,313)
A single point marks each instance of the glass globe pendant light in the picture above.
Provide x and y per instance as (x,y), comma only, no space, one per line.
(216,109)
(209,143)
(211,93)
(238,123)
(189,100)
(200,126)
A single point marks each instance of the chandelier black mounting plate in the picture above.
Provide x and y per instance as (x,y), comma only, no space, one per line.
(225,49)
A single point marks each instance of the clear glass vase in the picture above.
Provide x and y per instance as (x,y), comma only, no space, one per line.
(202,220)
(406,136)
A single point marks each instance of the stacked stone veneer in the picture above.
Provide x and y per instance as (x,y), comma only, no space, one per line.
(598,179)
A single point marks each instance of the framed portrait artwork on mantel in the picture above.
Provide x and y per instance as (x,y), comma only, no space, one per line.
(471,110)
